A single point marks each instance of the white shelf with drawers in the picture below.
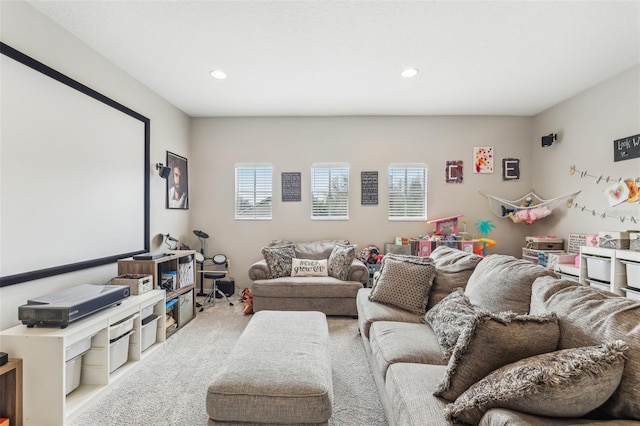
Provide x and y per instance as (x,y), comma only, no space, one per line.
(44,351)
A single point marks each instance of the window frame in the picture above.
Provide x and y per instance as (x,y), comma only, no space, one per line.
(341,210)
(408,169)
(261,213)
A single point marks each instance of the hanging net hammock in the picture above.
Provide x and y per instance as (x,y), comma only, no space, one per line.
(529,208)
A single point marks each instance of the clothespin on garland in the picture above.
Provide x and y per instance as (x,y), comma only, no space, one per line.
(599,179)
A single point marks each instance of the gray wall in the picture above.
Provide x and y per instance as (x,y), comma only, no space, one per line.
(587,125)
(292,144)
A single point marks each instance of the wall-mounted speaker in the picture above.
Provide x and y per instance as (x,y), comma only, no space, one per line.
(548,140)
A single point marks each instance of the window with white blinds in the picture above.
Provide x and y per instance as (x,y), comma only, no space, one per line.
(329,191)
(407,192)
(254,192)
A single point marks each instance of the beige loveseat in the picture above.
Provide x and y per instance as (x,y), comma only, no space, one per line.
(332,295)
(567,354)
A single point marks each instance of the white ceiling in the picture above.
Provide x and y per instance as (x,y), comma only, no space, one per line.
(317,58)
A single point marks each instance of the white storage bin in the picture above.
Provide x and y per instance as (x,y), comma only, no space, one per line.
(599,268)
(149,333)
(119,352)
(77,348)
(73,370)
(631,293)
(633,273)
(120,328)
(145,312)
(185,309)
(599,285)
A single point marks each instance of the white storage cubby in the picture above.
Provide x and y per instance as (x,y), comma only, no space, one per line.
(46,350)
(601,268)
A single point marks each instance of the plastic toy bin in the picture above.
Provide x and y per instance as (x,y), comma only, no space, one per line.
(73,368)
(149,332)
(599,268)
(633,273)
(119,351)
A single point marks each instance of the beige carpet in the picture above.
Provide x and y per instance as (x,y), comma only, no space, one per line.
(170,387)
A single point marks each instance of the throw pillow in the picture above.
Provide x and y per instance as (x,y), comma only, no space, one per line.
(278,260)
(309,268)
(340,261)
(503,283)
(448,318)
(404,282)
(454,267)
(565,383)
(490,341)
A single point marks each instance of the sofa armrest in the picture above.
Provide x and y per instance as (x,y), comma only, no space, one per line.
(259,270)
(358,271)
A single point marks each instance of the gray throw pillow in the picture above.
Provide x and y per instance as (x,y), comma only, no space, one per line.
(503,283)
(448,318)
(279,260)
(340,261)
(404,282)
(565,383)
(490,341)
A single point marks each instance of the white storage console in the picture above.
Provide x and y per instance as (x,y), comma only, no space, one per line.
(46,350)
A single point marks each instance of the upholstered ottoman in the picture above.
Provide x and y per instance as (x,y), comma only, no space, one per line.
(279,372)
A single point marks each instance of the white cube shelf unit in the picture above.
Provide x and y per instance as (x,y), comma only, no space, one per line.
(607,271)
(44,350)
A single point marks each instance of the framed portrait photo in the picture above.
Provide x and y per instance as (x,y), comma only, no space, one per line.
(177,182)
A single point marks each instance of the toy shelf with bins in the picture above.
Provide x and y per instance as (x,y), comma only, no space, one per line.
(44,353)
(601,268)
(180,261)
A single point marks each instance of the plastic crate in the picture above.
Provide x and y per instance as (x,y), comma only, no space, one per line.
(73,371)
(117,330)
(599,268)
(119,351)
(633,273)
(149,333)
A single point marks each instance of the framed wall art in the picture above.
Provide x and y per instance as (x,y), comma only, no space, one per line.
(483,159)
(178,182)
(510,168)
(453,172)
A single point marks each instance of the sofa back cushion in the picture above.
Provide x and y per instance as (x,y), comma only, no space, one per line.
(320,249)
(586,317)
(453,269)
(503,283)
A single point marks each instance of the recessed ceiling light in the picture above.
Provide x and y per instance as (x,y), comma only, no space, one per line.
(409,72)
(219,74)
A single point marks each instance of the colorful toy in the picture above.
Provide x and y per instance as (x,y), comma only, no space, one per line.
(446,225)
(484,226)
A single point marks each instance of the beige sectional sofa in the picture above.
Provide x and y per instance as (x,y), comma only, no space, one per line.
(333,291)
(565,354)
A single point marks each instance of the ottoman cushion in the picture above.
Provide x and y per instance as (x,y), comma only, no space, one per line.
(279,371)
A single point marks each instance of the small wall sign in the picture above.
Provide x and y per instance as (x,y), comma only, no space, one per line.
(369,188)
(510,168)
(626,148)
(291,186)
